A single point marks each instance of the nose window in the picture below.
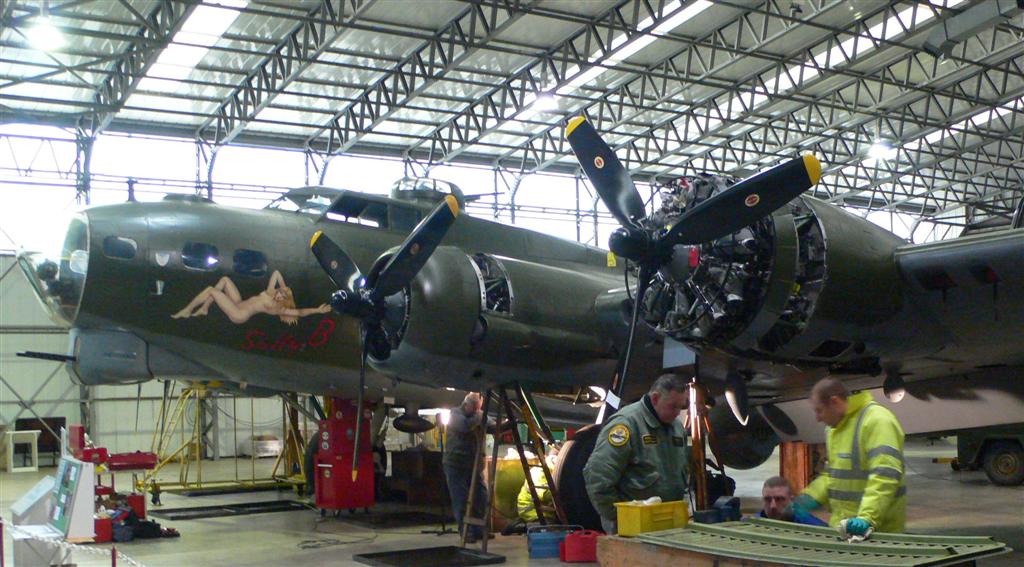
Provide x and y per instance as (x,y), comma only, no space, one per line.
(200,256)
(119,247)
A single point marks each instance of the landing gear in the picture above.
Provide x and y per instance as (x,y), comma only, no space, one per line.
(569,478)
(1004,463)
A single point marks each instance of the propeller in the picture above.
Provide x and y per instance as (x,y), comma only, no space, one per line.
(365,298)
(650,246)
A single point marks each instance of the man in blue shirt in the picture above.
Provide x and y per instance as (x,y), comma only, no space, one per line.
(777,495)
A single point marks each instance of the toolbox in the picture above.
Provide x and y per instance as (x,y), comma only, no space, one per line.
(132,461)
(544,541)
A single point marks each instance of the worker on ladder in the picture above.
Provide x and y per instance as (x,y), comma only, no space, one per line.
(525,507)
(465,428)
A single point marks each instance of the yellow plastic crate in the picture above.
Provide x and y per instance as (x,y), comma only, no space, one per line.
(638,518)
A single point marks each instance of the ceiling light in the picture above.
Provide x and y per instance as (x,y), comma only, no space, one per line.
(44,36)
(881,150)
(546,103)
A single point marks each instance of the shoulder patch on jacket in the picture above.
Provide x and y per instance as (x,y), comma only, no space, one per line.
(618,435)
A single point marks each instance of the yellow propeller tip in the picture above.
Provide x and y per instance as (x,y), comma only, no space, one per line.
(354,475)
(573,124)
(813,167)
(316,236)
(453,204)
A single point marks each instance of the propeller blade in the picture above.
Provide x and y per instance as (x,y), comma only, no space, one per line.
(744,203)
(339,267)
(415,251)
(606,173)
(359,402)
(613,397)
(736,396)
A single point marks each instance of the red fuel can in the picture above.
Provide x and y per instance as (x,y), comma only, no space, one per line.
(579,547)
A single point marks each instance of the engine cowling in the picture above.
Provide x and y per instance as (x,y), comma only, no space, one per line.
(472,319)
(809,283)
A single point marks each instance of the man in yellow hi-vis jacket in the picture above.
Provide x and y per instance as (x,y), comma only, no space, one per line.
(865,481)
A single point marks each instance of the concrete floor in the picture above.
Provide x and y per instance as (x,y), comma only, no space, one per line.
(940,502)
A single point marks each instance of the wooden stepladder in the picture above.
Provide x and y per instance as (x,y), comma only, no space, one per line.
(470,518)
(506,410)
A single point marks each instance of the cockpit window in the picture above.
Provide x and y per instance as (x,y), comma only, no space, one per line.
(425,184)
(120,247)
(311,201)
(200,256)
(250,263)
(357,210)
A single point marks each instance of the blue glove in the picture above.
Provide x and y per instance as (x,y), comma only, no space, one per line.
(857,526)
(805,502)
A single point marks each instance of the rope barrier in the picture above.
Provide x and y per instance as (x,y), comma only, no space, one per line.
(60,542)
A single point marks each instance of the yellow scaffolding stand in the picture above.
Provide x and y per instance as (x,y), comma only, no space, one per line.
(288,470)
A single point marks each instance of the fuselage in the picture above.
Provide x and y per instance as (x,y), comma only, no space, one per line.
(497,304)
(198,282)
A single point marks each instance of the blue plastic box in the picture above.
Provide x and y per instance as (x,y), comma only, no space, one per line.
(543,541)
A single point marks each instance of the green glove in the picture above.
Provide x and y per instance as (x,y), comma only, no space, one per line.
(805,502)
(857,526)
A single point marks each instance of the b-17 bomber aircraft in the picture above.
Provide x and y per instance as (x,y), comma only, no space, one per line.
(772,288)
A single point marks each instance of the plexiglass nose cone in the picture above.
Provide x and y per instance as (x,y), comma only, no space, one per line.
(58,279)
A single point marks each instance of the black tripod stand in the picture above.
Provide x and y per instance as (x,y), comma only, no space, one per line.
(444,524)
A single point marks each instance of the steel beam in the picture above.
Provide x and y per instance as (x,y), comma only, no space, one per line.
(473,27)
(651,146)
(552,70)
(164,21)
(321,27)
(698,61)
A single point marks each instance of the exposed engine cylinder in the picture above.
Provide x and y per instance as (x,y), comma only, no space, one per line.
(769,291)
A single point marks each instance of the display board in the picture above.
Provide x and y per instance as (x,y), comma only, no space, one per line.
(72,499)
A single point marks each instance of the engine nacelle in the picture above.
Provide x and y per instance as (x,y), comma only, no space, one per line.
(810,283)
(460,322)
(444,305)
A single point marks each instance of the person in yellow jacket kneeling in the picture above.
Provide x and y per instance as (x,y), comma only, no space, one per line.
(864,482)
(524,503)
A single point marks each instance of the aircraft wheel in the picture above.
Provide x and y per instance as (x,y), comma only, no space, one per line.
(569,478)
(1004,463)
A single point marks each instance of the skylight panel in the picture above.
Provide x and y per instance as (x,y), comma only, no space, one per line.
(203,28)
(844,52)
(621,47)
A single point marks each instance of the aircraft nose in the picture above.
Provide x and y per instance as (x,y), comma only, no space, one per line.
(59,279)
